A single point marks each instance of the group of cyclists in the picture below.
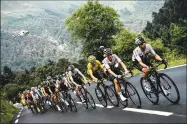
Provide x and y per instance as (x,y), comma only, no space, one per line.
(73,78)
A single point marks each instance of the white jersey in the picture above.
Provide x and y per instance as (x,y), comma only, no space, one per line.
(107,63)
(138,53)
(34,95)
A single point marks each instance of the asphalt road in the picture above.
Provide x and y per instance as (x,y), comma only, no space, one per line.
(164,112)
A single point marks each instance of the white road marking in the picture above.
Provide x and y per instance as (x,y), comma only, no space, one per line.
(163,69)
(98,105)
(79,102)
(172,67)
(18,116)
(148,111)
(16,120)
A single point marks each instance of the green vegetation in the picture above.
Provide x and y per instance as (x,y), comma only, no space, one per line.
(170,24)
(94,24)
(7,111)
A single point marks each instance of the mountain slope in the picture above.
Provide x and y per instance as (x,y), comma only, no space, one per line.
(48,38)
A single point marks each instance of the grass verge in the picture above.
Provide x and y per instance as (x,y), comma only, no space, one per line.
(7,111)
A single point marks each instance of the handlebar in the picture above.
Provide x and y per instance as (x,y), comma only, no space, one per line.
(130,71)
(165,65)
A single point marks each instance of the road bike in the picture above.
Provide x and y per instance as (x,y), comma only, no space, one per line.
(160,83)
(71,103)
(105,93)
(128,91)
(86,96)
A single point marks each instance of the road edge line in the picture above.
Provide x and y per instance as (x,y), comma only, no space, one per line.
(16,121)
(155,112)
(162,69)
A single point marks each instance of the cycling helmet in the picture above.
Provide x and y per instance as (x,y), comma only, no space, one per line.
(91,58)
(32,88)
(49,78)
(63,75)
(108,51)
(101,47)
(71,67)
(139,40)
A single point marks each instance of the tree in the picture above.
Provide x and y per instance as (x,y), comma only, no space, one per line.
(169,25)
(12,91)
(32,69)
(179,36)
(124,45)
(93,24)
(8,75)
(62,65)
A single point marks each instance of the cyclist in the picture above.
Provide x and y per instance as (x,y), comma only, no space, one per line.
(35,94)
(53,90)
(140,60)
(30,100)
(46,92)
(93,68)
(101,55)
(75,77)
(111,62)
(62,85)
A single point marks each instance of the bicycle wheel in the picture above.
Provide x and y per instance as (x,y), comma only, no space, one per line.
(124,103)
(166,84)
(151,95)
(112,96)
(134,95)
(90,100)
(100,96)
(85,103)
(72,104)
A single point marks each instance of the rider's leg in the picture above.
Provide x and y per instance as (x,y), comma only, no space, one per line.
(118,90)
(145,73)
(116,86)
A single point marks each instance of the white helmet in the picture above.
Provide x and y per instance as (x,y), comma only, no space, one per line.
(139,40)
(48,77)
(32,88)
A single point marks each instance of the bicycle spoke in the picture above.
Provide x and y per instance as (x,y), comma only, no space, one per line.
(151,95)
(169,88)
(112,97)
(100,96)
(90,100)
(133,94)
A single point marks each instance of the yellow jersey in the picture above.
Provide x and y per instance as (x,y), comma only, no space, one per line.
(93,68)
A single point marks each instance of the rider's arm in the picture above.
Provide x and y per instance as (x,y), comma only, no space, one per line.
(121,63)
(67,82)
(108,69)
(137,57)
(90,72)
(112,73)
(80,73)
(142,64)
(157,57)
(50,90)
